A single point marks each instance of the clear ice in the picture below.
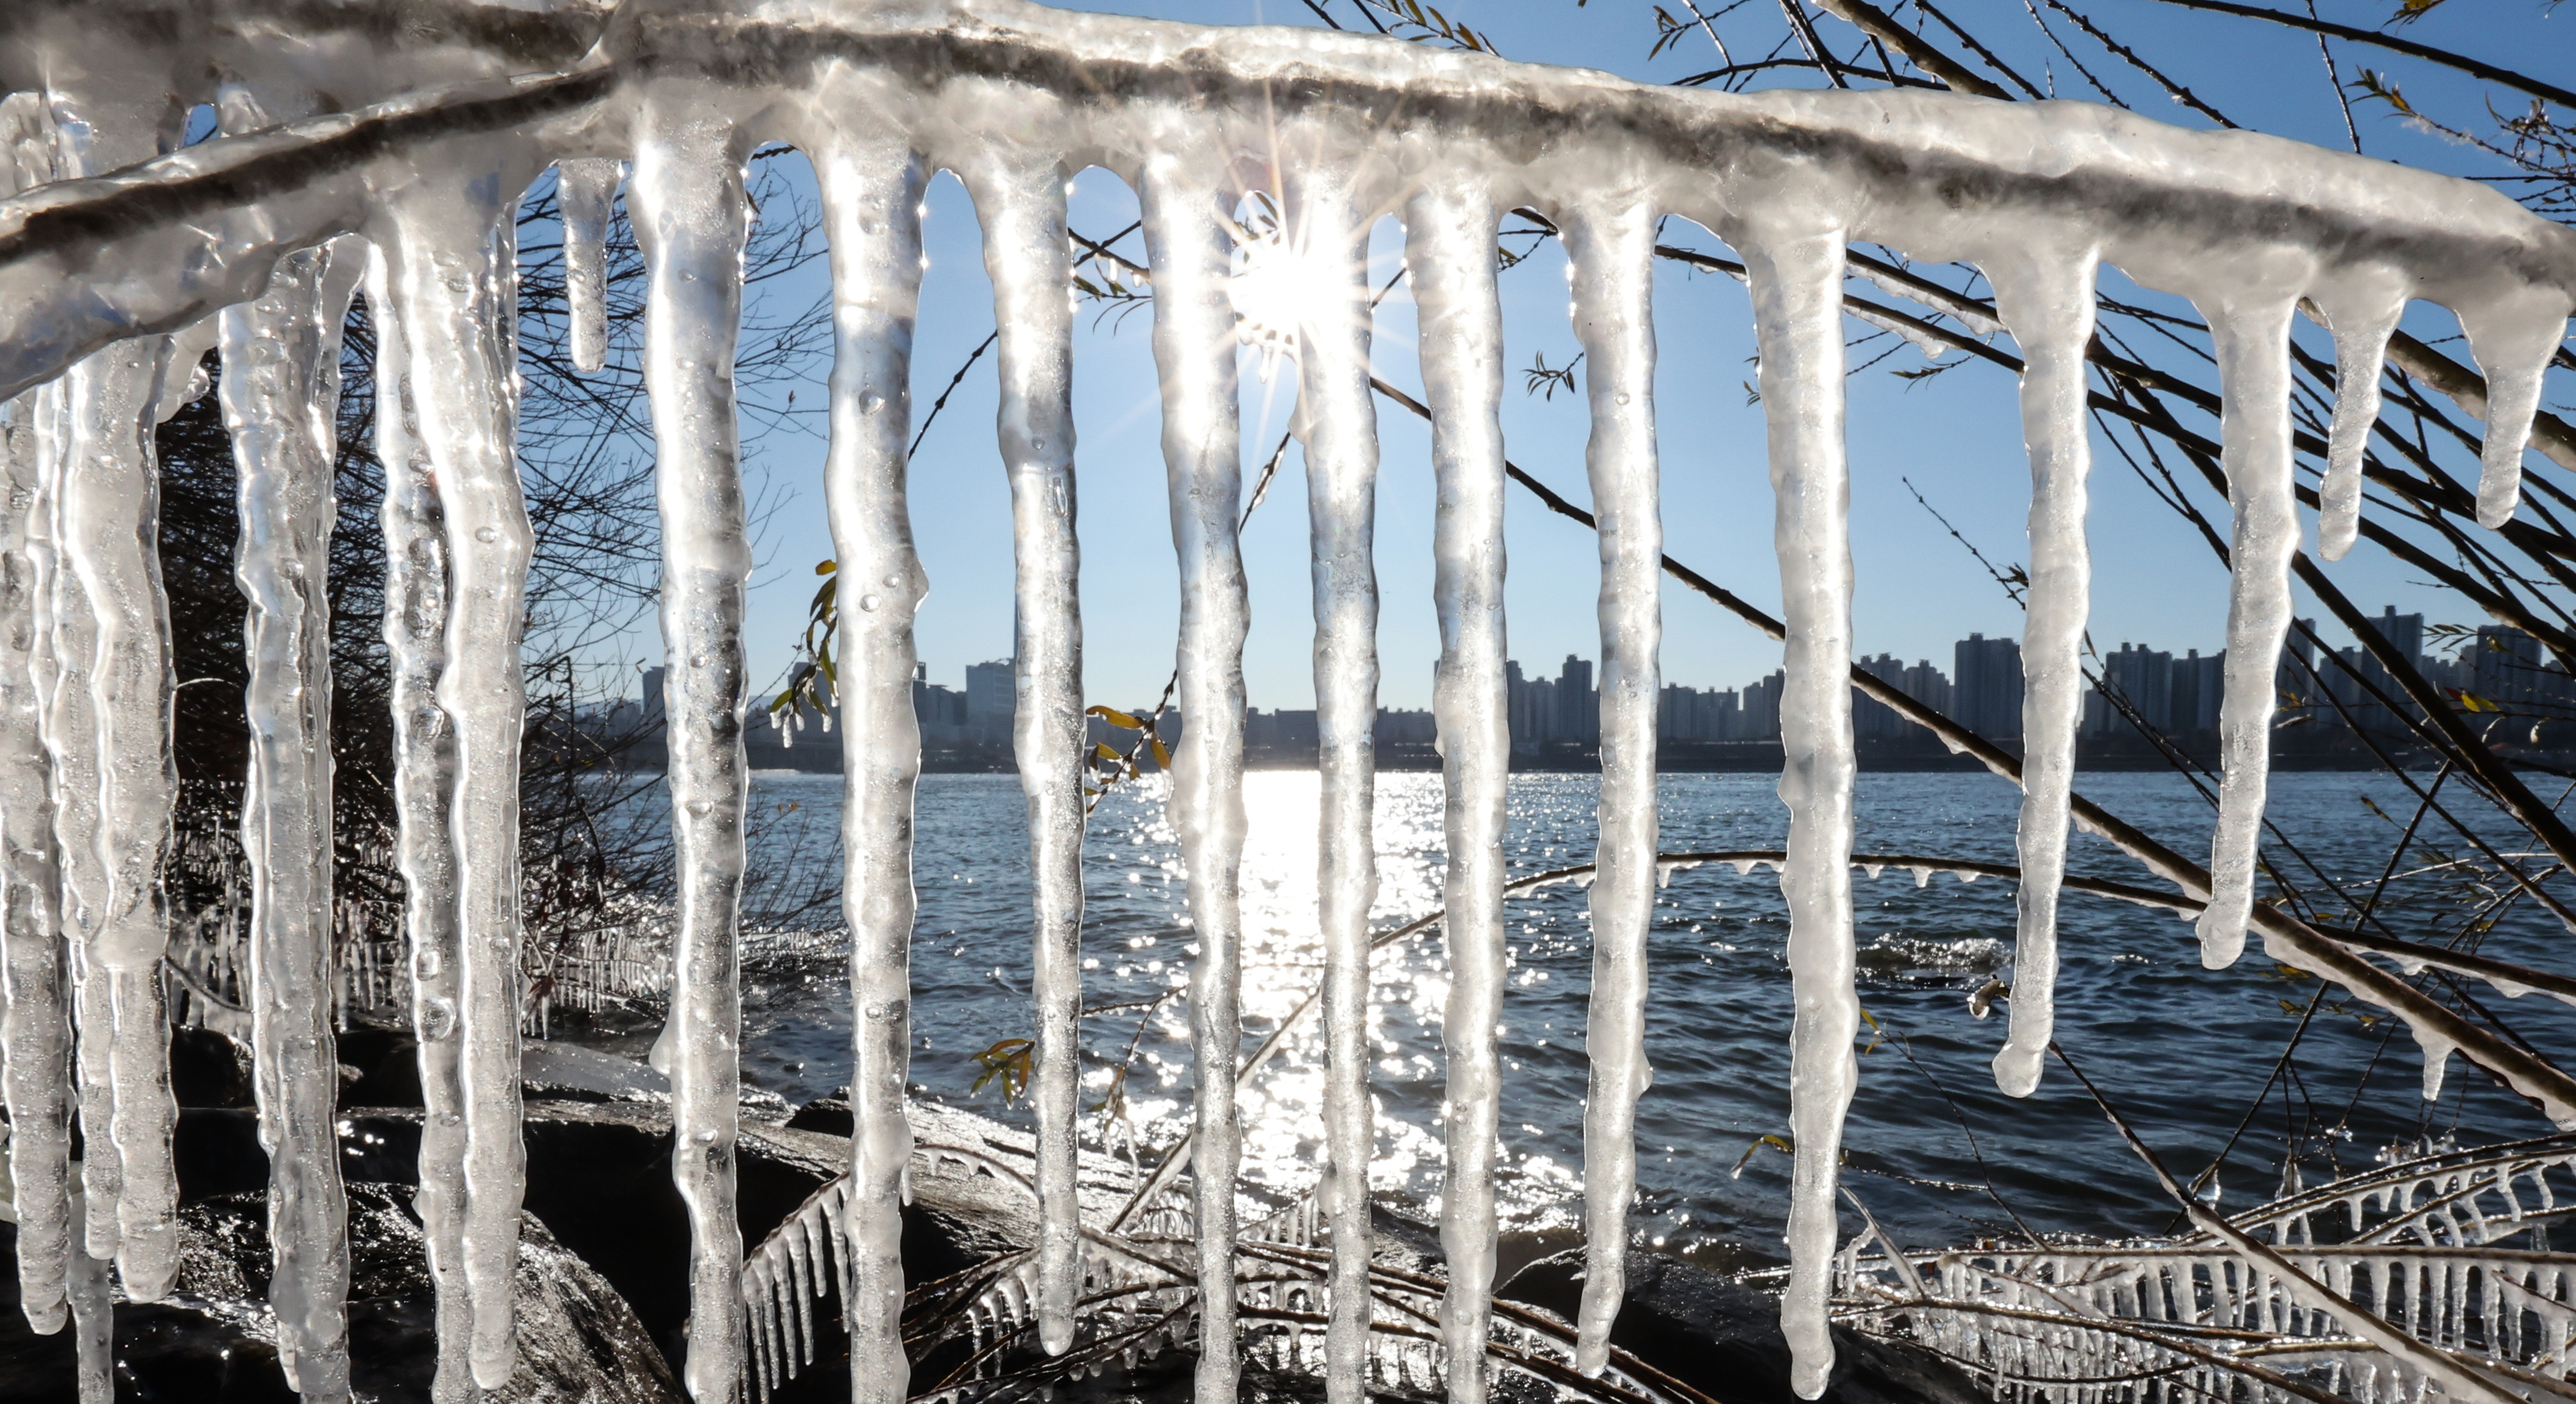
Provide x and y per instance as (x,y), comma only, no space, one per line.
(115,260)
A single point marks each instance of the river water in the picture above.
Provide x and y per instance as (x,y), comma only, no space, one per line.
(1937,1154)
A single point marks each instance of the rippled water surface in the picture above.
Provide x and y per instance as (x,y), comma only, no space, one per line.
(1936,1153)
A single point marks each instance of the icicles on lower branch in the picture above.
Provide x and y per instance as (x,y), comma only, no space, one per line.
(1020,200)
(691,219)
(1337,420)
(1611,247)
(585,194)
(2251,330)
(2046,296)
(1194,350)
(281,391)
(1448,254)
(424,774)
(2361,310)
(871,192)
(1796,278)
(451,246)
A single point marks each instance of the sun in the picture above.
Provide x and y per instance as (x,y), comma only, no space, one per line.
(1278,284)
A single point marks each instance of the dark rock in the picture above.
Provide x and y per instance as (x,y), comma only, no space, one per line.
(209,1343)
(1725,1341)
(828,1114)
(387,1061)
(208,1069)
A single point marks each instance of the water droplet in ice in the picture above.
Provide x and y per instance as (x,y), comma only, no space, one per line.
(487,535)
(867,602)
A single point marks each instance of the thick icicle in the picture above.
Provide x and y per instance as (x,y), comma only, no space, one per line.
(2252,335)
(2046,297)
(424,768)
(1021,203)
(451,249)
(690,218)
(585,191)
(35,1028)
(35,1025)
(2512,338)
(2361,308)
(1194,349)
(107,732)
(1449,254)
(64,645)
(1611,246)
(871,210)
(1337,422)
(1796,278)
(106,516)
(281,394)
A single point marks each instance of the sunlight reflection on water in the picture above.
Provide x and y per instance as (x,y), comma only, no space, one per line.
(2184,1051)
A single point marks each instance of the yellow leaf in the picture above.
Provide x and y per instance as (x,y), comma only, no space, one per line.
(1115,717)
(1102,750)
(1162,754)
(827,567)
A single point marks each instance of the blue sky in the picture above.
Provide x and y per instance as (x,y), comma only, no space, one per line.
(1956,438)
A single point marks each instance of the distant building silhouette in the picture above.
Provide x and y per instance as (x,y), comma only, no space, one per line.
(1986,686)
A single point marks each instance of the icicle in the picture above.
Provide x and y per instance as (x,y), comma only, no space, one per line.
(1186,244)
(424,775)
(585,192)
(34,1024)
(1610,246)
(1337,421)
(2253,342)
(281,393)
(1449,238)
(107,733)
(2361,307)
(35,1028)
(1797,302)
(451,252)
(2046,296)
(871,198)
(1020,200)
(691,220)
(93,1317)
(2512,338)
(113,710)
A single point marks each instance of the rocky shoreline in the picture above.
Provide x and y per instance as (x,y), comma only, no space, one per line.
(601,1293)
